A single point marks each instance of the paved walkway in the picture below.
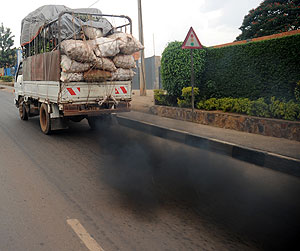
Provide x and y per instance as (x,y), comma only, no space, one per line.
(140,112)
(142,103)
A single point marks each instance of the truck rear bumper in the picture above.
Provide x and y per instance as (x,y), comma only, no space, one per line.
(71,110)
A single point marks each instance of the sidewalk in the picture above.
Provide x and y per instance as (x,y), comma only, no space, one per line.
(8,87)
(275,153)
(9,84)
(142,103)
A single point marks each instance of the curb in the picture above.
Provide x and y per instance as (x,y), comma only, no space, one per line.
(261,158)
(238,122)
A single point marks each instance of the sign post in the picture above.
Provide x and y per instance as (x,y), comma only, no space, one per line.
(192,80)
(192,42)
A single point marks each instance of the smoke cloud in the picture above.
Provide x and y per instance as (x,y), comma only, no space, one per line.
(251,202)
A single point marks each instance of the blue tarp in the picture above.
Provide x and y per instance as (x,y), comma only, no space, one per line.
(9,71)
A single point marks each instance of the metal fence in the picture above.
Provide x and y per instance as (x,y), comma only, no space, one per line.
(153,79)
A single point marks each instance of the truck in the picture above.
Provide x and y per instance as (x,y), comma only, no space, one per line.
(38,88)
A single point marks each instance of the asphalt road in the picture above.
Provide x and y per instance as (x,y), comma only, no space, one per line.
(119,189)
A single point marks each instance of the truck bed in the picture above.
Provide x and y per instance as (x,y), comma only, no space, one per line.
(75,92)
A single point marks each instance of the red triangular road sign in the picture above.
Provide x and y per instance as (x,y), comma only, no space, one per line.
(191,41)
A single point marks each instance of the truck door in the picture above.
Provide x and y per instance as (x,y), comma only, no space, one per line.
(18,82)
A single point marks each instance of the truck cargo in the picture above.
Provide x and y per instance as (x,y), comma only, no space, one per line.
(75,65)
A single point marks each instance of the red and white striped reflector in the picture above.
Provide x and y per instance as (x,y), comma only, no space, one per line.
(121,90)
(74,91)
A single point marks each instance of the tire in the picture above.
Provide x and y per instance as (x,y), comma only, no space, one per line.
(45,122)
(22,110)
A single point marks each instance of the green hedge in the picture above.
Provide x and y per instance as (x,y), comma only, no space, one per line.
(176,68)
(297,91)
(254,70)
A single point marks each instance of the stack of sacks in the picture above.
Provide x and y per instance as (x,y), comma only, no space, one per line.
(100,58)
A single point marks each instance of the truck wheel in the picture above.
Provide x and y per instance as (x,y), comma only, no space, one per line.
(22,110)
(45,119)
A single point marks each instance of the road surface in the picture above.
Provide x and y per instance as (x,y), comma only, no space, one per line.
(119,189)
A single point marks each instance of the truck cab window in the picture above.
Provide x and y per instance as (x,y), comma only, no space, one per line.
(20,71)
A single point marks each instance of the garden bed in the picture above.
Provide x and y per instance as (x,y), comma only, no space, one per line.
(263,126)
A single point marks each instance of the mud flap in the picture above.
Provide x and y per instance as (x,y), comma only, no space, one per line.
(59,124)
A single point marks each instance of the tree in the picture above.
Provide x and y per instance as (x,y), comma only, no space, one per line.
(7,53)
(271,17)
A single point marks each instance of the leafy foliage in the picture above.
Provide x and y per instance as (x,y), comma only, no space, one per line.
(274,108)
(253,70)
(7,78)
(176,68)
(282,110)
(271,108)
(258,108)
(162,98)
(271,17)
(7,54)
(297,91)
(187,97)
(211,90)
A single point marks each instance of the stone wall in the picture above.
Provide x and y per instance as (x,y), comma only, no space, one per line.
(264,126)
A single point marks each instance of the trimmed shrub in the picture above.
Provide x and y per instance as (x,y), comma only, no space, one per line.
(282,110)
(161,97)
(210,90)
(254,70)
(186,93)
(210,104)
(273,108)
(260,108)
(176,68)
(297,92)
(241,105)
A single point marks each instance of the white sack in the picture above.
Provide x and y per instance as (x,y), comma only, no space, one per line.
(128,44)
(91,32)
(70,66)
(71,77)
(105,64)
(124,61)
(123,74)
(107,47)
(81,51)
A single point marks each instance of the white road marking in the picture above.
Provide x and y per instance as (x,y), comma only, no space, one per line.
(88,241)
